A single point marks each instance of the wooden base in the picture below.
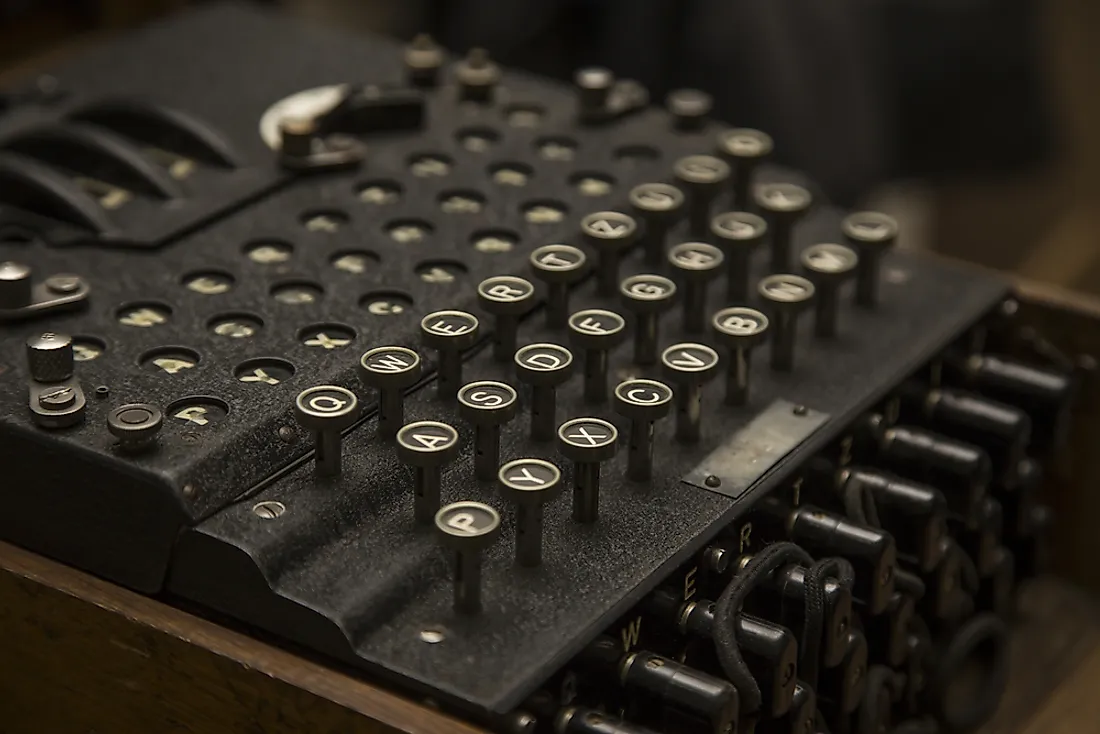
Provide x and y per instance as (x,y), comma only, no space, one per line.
(1071,322)
(1055,650)
(80,655)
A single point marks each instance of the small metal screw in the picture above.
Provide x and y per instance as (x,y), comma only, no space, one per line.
(63,283)
(268,510)
(800,410)
(712,481)
(286,434)
(432,636)
(102,391)
(57,398)
(190,438)
(190,491)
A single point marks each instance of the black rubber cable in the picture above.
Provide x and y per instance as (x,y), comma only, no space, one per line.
(982,629)
(910,583)
(917,726)
(881,681)
(971,579)
(859,504)
(814,622)
(729,604)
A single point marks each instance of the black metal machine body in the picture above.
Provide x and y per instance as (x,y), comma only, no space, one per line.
(214,227)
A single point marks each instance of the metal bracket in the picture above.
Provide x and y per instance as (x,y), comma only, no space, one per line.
(55,293)
(750,453)
(331,153)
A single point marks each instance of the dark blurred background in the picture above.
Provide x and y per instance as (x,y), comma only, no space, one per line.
(975,122)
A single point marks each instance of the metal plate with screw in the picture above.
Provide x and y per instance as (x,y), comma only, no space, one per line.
(268,510)
(55,293)
(751,452)
(432,635)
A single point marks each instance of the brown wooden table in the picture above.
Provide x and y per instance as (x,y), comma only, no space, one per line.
(80,655)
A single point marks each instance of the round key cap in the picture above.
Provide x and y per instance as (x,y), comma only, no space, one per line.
(787,296)
(828,266)
(587,442)
(467,528)
(426,446)
(507,298)
(477,77)
(738,235)
(696,264)
(449,332)
(647,296)
(16,286)
(596,331)
(744,149)
(487,405)
(689,109)
(608,233)
(391,370)
(593,84)
(423,59)
(327,411)
(544,367)
(739,330)
(529,484)
(659,206)
(689,366)
(783,205)
(298,136)
(50,357)
(136,426)
(871,234)
(643,402)
(558,266)
(702,177)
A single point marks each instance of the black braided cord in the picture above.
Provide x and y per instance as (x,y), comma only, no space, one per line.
(809,657)
(881,681)
(729,604)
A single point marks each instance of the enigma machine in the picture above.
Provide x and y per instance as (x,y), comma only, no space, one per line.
(554,407)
